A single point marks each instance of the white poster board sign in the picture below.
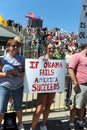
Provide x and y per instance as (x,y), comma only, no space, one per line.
(82,33)
(44,76)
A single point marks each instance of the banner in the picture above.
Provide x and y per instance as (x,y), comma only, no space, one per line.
(44,76)
(82,33)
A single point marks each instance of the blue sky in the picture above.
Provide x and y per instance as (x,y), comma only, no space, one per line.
(64,14)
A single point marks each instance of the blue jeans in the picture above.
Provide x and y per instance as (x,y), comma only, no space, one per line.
(5,94)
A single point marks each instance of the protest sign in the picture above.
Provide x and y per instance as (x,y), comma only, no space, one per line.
(44,76)
(82,33)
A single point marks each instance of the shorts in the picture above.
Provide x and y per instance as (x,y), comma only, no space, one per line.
(79,99)
(17,96)
(45,98)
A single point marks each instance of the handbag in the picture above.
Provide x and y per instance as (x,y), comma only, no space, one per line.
(10,121)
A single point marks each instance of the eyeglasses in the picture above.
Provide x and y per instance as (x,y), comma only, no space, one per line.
(51,48)
(14,45)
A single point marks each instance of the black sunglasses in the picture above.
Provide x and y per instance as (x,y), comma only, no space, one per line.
(14,45)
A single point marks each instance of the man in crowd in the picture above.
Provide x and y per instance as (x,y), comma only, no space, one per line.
(78,73)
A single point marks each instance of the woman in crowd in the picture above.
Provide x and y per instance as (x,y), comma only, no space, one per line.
(44,100)
(11,80)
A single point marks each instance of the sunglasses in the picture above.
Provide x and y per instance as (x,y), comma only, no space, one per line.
(51,48)
(14,45)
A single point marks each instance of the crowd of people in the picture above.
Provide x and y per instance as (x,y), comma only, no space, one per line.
(38,38)
(57,45)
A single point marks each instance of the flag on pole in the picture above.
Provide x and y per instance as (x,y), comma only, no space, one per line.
(30,15)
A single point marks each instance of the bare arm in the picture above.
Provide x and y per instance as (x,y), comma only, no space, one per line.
(4,74)
(74,79)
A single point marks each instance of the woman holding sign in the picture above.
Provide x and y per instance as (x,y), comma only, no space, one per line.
(44,100)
